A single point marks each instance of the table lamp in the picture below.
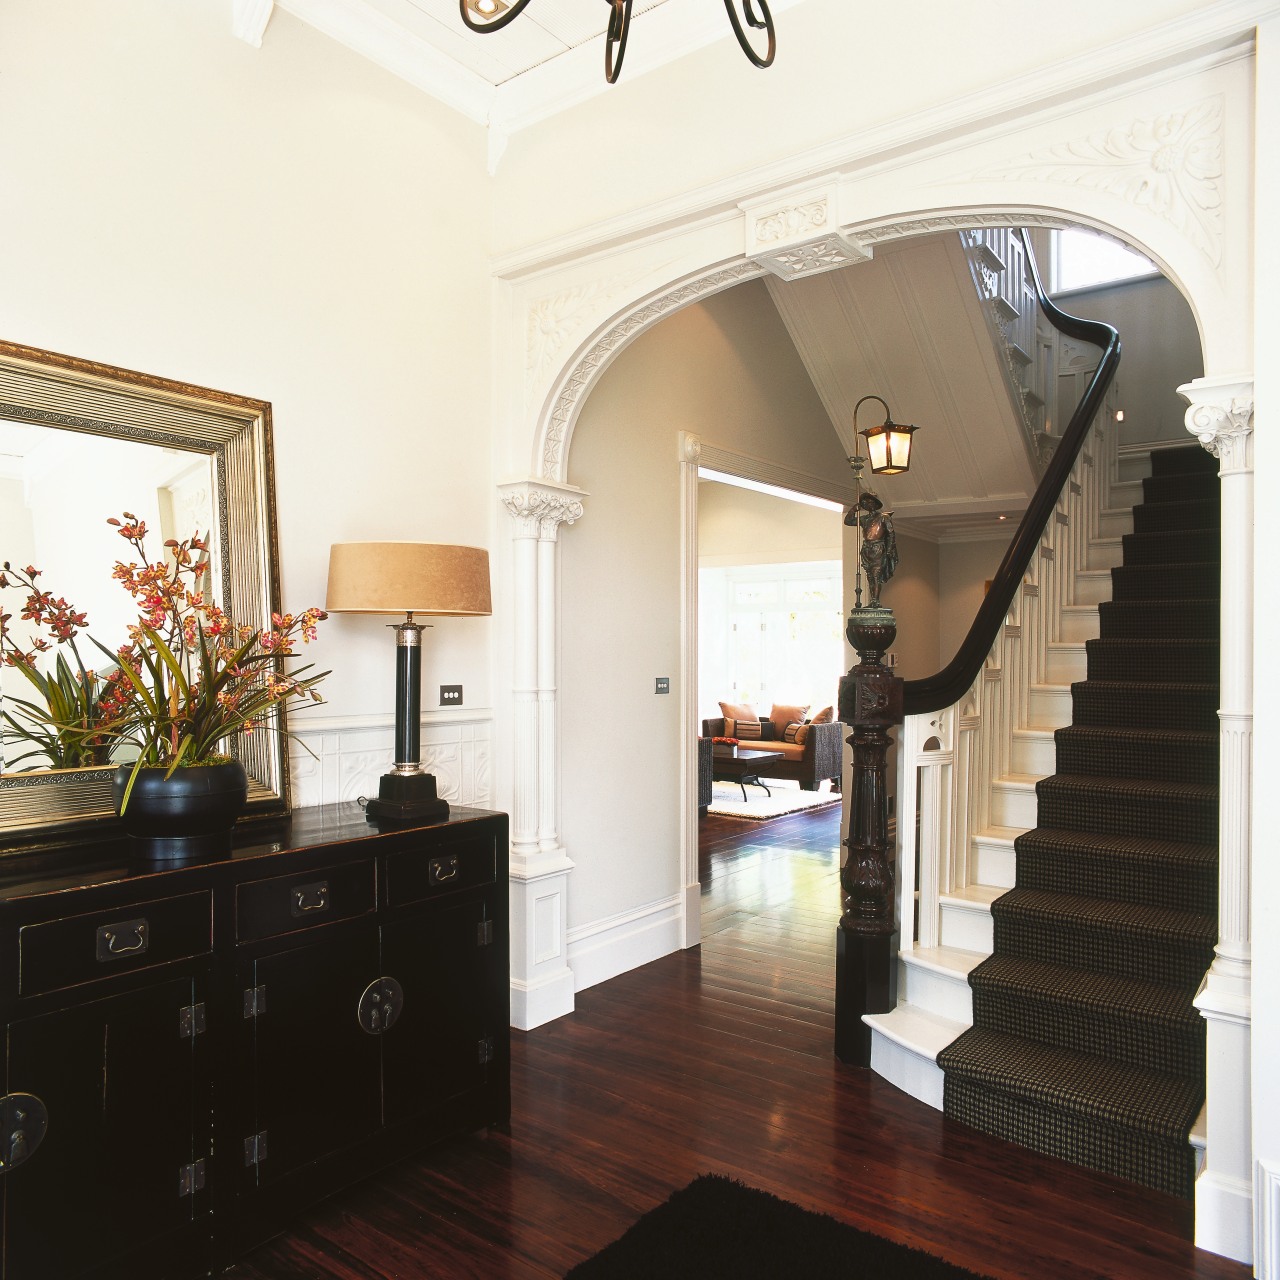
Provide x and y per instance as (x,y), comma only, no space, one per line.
(408,577)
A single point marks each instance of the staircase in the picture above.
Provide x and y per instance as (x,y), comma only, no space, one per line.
(1084,1042)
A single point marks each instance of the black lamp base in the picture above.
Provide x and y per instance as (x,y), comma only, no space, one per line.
(407,797)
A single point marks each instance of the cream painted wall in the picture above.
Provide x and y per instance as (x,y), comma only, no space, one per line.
(620,574)
(840,69)
(740,526)
(267,222)
(964,569)
(1159,352)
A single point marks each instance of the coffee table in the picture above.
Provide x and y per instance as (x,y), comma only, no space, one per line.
(741,765)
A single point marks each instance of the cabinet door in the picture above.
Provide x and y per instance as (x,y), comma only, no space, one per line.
(126,1093)
(315,1071)
(450,967)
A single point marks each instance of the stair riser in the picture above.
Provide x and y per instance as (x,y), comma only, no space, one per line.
(1177,517)
(1078,624)
(1162,582)
(1122,952)
(1105,553)
(1166,1166)
(917,1075)
(1065,664)
(946,995)
(1197,661)
(1175,1048)
(994,863)
(1034,752)
(1154,708)
(1118,756)
(1162,818)
(1115,524)
(966,929)
(1050,706)
(1184,460)
(1013,804)
(1180,488)
(1149,881)
(1093,586)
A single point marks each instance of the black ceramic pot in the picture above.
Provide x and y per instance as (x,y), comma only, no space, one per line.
(186,817)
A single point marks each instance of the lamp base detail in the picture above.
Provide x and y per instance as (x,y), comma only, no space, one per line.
(406,797)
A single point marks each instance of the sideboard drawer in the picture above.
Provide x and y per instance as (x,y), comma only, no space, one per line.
(64,953)
(417,874)
(284,904)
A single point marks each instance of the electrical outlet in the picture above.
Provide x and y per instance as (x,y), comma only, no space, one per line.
(662,684)
(451,695)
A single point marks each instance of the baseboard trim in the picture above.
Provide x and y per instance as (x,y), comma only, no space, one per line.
(606,948)
(535,1004)
(1266,1208)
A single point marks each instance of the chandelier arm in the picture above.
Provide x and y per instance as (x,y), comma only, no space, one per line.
(888,417)
(498,23)
(616,37)
(764,23)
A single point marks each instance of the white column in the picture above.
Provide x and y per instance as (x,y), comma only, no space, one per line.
(542,985)
(1221,418)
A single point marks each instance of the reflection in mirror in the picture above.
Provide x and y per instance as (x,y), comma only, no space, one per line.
(81,442)
(57,489)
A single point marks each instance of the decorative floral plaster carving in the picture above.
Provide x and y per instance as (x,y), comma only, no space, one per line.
(891,231)
(1170,165)
(582,374)
(793,221)
(539,512)
(1223,428)
(810,259)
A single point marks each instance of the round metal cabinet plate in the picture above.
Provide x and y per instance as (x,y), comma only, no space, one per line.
(380,1006)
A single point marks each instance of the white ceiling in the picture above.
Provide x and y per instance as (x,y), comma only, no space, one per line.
(549,58)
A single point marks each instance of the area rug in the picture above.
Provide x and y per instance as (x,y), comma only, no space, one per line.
(719,1229)
(726,801)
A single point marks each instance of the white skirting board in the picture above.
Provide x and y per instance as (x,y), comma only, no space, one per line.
(605,948)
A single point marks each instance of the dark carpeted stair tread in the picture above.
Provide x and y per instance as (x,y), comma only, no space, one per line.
(1188,580)
(1160,658)
(1145,1024)
(1176,755)
(1143,920)
(1170,546)
(1095,1087)
(1194,619)
(1128,868)
(1101,992)
(1157,704)
(1129,806)
(1155,789)
(1183,459)
(1197,513)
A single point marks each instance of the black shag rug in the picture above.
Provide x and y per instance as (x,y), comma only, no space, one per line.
(717,1227)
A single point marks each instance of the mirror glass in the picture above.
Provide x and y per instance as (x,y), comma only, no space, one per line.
(81,442)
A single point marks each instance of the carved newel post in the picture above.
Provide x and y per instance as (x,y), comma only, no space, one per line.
(871,703)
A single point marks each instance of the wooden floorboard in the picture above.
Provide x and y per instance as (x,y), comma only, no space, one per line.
(719,1060)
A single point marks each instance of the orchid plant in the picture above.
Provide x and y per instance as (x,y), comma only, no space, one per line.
(186,681)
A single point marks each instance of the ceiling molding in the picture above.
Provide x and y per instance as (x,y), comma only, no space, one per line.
(249,20)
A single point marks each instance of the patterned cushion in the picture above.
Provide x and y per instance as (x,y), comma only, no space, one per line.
(740,720)
(782,716)
(797,733)
(825,716)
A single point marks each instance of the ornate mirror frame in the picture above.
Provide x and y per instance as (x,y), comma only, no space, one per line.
(234,432)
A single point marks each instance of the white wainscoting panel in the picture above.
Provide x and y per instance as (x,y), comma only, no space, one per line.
(338,758)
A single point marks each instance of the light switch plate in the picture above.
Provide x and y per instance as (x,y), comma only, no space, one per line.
(451,695)
(662,684)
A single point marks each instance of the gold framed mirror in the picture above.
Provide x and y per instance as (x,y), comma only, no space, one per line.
(58,393)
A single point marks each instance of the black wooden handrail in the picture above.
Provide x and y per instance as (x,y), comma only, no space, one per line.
(949,685)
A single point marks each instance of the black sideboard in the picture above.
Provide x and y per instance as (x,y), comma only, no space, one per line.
(194,1054)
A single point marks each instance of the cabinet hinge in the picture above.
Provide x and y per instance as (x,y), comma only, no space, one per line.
(485,1050)
(255,1001)
(191,1021)
(484,933)
(255,1149)
(191,1179)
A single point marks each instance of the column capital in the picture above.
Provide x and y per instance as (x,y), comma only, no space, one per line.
(1220,416)
(539,507)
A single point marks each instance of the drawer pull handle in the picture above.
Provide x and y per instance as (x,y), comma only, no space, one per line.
(23,1121)
(129,938)
(442,871)
(308,898)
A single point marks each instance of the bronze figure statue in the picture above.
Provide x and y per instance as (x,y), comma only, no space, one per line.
(879,553)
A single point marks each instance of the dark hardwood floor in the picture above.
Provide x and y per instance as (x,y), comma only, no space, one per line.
(719,1060)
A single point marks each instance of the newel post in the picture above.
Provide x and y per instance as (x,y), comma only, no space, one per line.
(867,937)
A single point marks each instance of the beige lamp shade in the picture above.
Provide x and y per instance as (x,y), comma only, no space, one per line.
(408,577)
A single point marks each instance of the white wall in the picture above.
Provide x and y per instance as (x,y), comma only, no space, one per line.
(620,570)
(740,526)
(1159,352)
(267,222)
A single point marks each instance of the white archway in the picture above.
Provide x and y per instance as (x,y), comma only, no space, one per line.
(1144,160)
